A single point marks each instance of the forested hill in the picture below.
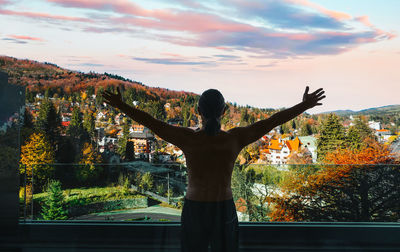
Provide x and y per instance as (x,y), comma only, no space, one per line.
(389,109)
(41,76)
(53,81)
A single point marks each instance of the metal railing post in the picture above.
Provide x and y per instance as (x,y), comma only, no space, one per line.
(168,188)
(25,194)
(32,193)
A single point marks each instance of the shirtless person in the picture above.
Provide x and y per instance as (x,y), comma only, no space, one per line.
(209,213)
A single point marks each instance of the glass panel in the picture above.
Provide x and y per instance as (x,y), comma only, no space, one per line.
(137,191)
(142,191)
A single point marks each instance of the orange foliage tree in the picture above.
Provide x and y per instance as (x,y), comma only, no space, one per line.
(37,154)
(354,185)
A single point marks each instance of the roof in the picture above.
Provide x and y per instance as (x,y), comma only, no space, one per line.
(274,144)
(294,145)
(66,124)
(142,135)
(383,130)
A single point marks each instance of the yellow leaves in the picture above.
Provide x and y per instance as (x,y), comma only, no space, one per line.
(83,96)
(37,150)
(89,155)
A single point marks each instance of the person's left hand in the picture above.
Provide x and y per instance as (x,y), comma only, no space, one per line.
(112,99)
(312,100)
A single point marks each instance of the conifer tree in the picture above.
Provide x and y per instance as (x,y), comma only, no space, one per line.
(49,121)
(306,130)
(332,136)
(89,123)
(53,207)
(122,141)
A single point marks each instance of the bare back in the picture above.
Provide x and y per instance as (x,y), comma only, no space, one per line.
(210,161)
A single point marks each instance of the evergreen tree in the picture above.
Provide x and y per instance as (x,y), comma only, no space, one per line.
(244,117)
(49,121)
(89,123)
(99,97)
(75,128)
(331,136)
(122,141)
(358,133)
(284,129)
(76,132)
(294,125)
(186,115)
(53,207)
(306,130)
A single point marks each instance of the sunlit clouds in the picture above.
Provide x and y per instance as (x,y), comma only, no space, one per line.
(208,39)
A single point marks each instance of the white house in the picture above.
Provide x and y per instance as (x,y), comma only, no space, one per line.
(374,125)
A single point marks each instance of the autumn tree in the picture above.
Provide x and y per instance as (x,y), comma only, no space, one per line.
(359,185)
(89,169)
(37,155)
(146,182)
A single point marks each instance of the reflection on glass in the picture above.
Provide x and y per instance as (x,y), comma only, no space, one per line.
(145,192)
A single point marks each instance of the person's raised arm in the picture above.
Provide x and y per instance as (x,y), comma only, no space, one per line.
(172,134)
(255,131)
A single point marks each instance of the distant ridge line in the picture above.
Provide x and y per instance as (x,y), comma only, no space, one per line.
(382,109)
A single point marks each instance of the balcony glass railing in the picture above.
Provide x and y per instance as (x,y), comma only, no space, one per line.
(146,192)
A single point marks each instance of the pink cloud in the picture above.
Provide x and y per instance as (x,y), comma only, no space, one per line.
(185,21)
(365,20)
(380,33)
(25,37)
(159,19)
(120,6)
(333,14)
(43,16)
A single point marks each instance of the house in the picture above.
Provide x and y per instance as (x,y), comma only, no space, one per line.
(137,128)
(279,150)
(310,143)
(119,118)
(383,135)
(374,125)
(101,116)
(143,143)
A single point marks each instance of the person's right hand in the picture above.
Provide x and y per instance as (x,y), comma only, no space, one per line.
(312,100)
(114,100)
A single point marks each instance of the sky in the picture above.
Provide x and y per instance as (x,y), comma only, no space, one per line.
(260,53)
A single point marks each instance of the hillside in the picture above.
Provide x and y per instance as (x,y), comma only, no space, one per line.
(40,76)
(384,110)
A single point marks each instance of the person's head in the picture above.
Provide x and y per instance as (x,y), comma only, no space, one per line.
(211,107)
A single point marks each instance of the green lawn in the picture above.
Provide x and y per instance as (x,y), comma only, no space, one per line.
(83,196)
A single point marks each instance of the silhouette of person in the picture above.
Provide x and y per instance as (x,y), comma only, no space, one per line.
(209,214)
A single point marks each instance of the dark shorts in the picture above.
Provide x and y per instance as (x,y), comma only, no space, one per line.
(214,223)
